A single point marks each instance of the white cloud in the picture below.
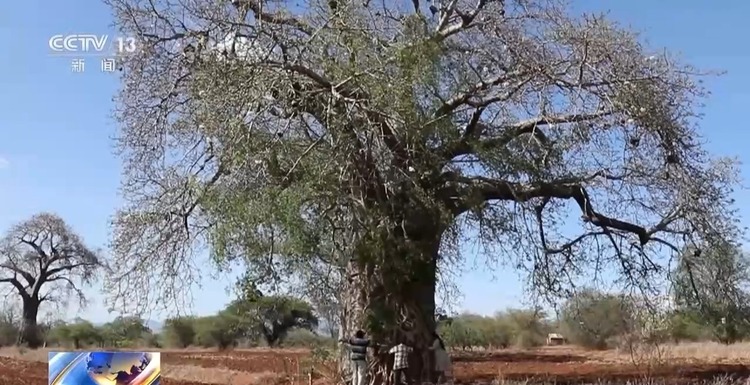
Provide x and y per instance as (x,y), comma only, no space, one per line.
(4,163)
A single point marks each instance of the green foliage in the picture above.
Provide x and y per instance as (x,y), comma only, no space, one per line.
(514,327)
(712,286)
(528,327)
(179,332)
(306,338)
(125,332)
(605,319)
(684,326)
(219,331)
(271,316)
(460,333)
(80,333)
(592,319)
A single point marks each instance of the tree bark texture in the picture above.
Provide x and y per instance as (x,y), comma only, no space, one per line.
(393,302)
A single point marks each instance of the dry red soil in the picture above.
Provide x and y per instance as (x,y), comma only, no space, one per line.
(13,371)
(579,369)
(557,366)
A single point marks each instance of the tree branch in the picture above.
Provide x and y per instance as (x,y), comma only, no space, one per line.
(463,24)
(36,247)
(69,267)
(25,274)
(17,285)
(462,98)
(273,18)
(71,286)
(474,129)
(487,189)
(344,90)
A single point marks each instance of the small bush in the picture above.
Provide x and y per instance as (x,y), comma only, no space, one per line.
(179,332)
(593,320)
(306,338)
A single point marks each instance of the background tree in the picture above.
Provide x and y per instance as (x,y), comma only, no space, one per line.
(521,328)
(713,284)
(593,319)
(271,316)
(80,333)
(528,327)
(10,322)
(381,133)
(45,261)
(222,331)
(463,332)
(686,327)
(179,331)
(125,331)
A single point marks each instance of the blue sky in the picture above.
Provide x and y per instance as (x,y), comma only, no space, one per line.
(55,127)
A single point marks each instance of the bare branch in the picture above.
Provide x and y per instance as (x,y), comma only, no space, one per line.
(468,142)
(489,189)
(274,18)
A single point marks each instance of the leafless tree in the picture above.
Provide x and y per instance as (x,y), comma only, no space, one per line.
(280,132)
(45,262)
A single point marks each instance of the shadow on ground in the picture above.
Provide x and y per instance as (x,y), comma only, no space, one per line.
(517,357)
(616,375)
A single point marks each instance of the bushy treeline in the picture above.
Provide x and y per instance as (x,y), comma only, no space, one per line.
(590,319)
(593,320)
(260,320)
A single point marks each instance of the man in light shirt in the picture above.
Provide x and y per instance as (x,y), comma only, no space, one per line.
(401,354)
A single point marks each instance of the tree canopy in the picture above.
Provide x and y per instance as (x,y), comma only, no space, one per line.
(371,135)
(272,317)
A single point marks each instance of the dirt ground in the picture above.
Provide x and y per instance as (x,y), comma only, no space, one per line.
(561,365)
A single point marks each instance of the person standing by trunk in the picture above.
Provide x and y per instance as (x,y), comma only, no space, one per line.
(442,369)
(358,356)
(401,363)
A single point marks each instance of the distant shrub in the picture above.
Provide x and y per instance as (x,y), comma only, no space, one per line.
(305,338)
(594,320)
(514,327)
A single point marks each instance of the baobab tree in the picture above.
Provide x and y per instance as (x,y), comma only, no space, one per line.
(373,134)
(45,262)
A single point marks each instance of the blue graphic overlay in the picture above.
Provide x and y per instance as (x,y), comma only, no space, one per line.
(104,368)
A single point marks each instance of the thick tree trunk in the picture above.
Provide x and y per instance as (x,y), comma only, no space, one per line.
(30,333)
(393,302)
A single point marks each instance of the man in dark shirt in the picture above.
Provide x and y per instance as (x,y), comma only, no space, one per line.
(358,355)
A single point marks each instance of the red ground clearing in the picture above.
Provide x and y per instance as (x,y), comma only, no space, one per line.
(22,372)
(247,361)
(559,367)
(574,369)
